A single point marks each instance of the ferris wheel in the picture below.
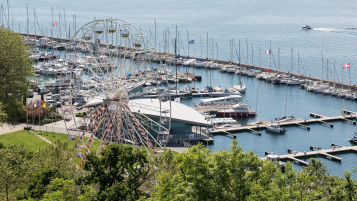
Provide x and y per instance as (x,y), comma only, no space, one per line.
(108,62)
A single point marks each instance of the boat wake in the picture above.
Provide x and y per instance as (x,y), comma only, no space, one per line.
(351,31)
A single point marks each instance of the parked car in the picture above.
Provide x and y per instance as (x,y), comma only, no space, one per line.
(83,126)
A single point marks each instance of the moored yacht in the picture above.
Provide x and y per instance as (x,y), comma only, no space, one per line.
(238,110)
(275,128)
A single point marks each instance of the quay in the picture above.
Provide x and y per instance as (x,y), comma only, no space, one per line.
(330,82)
(294,156)
(344,117)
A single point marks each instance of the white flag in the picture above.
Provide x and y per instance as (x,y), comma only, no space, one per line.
(177,100)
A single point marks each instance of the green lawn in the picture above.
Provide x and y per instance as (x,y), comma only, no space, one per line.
(33,142)
(29,140)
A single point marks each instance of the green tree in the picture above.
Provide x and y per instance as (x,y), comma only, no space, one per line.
(39,181)
(15,68)
(14,164)
(120,172)
(3,115)
(205,175)
(61,189)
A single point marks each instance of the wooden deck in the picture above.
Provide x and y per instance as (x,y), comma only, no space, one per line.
(324,152)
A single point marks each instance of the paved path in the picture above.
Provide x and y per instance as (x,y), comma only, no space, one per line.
(7,128)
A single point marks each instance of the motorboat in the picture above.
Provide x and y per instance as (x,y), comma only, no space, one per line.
(240,87)
(285,119)
(238,110)
(193,90)
(275,128)
(218,89)
(306,27)
(227,92)
(354,138)
(275,159)
(207,89)
(226,100)
(349,95)
(260,122)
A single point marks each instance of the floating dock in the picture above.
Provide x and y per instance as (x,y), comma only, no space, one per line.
(322,152)
(346,116)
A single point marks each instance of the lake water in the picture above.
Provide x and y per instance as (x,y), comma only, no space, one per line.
(256,23)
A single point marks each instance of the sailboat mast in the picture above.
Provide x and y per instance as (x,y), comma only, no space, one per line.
(270,54)
(65,25)
(34,22)
(279,58)
(327,69)
(217,51)
(298,64)
(207,45)
(59,17)
(212,49)
(246,40)
(291,71)
(260,59)
(201,47)
(239,53)
(52,23)
(168,40)
(334,71)
(322,66)
(232,50)
(188,46)
(252,56)
(155,39)
(175,56)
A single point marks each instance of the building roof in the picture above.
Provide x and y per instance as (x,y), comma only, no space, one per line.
(151,108)
(179,111)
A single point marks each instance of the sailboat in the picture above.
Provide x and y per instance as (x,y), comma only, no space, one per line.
(286,118)
(239,86)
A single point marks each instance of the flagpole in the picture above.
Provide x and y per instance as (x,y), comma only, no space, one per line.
(39,117)
(45,116)
(33,120)
(52,118)
(342,77)
(27,115)
(349,72)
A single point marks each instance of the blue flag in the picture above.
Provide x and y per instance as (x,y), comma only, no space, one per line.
(191,42)
(38,104)
(30,103)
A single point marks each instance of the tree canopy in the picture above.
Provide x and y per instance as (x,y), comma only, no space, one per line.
(15,68)
(124,173)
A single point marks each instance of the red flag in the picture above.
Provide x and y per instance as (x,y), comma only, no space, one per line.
(54,24)
(347,65)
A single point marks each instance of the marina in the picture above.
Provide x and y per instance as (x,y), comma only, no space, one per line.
(314,109)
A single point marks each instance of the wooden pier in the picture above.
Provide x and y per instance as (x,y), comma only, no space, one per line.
(322,152)
(302,122)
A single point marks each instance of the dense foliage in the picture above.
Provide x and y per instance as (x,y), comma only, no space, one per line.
(15,68)
(123,173)
(200,174)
